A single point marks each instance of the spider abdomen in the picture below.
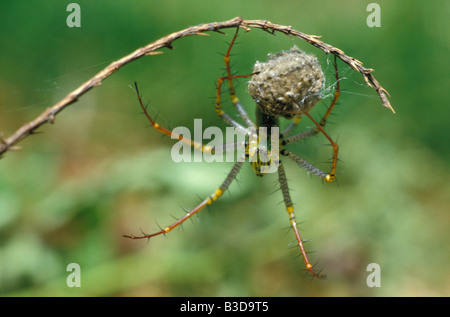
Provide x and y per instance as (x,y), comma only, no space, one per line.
(286,81)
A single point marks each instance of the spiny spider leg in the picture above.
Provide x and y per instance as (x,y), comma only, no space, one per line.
(304,164)
(290,209)
(332,175)
(207,201)
(319,128)
(234,99)
(225,117)
(291,126)
(194,144)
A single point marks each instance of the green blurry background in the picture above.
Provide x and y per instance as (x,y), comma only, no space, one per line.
(100,171)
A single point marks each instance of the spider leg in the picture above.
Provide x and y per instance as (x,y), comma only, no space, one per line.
(290,127)
(337,93)
(196,145)
(225,117)
(207,201)
(234,99)
(332,175)
(290,209)
(320,128)
(304,164)
(299,137)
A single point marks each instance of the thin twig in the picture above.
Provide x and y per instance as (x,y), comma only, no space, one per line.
(9,144)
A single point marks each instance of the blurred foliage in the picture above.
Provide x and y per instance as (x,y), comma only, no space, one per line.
(99,172)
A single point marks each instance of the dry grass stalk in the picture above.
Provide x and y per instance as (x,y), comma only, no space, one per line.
(49,114)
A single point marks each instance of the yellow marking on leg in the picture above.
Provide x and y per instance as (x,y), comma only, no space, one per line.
(217,194)
(214,196)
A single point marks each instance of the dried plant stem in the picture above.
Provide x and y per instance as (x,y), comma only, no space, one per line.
(152,49)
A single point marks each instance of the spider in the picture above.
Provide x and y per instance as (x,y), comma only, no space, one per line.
(293,103)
